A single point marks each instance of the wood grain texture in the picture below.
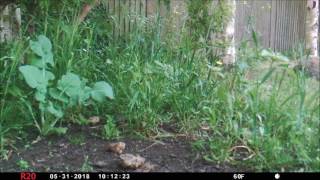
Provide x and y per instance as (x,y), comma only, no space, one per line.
(151,8)
(280,24)
(10,21)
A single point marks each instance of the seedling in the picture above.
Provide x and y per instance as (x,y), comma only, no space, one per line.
(110,130)
(23,164)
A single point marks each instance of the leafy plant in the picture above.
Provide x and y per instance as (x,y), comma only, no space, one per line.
(86,165)
(23,164)
(77,139)
(54,98)
(110,130)
(274,56)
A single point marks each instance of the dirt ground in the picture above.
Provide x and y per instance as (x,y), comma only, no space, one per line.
(82,150)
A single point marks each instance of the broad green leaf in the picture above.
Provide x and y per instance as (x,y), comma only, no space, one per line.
(38,62)
(40,96)
(43,48)
(58,131)
(84,94)
(48,58)
(36,48)
(35,77)
(45,43)
(266,53)
(58,95)
(70,84)
(42,62)
(274,56)
(101,90)
(42,106)
(55,110)
(54,130)
(281,57)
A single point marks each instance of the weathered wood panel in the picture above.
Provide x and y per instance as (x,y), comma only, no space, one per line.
(254,14)
(280,24)
(10,21)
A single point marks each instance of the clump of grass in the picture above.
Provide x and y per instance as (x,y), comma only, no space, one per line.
(23,165)
(78,139)
(110,130)
(86,167)
(14,114)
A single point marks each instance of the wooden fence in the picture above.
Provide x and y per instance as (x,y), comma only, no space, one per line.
(123,12)
(279,23)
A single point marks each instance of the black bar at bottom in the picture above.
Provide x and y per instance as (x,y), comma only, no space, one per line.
(153,176)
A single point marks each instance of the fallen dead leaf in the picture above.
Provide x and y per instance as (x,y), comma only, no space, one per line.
(205,127)
(36,140)
(100,164)
(116,147)
(131,161)
(36,164)
(40,160)
(244,153)
(9,154)
(33,163)
(94,120)
(146,167)
(63,145)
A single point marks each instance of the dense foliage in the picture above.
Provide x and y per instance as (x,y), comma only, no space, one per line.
(57,72)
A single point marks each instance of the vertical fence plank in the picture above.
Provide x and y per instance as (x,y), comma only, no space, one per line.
(273,23)
(126,17)
(302,20)
(137,8)
(143,8)
(122,20)
(179,12)
(111,13)
(164,8)
(280,24)
(292,38)
(117,17)
(136,15)
(132,12)
(151,8)
(261,13)
(243,16)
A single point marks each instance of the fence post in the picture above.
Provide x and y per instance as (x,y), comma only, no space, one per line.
(230,51)
(10,21)
(312,27)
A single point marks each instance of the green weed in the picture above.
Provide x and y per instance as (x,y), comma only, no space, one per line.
(86,167)
(68,91)
(110,130)
(24,165)
(78,139)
